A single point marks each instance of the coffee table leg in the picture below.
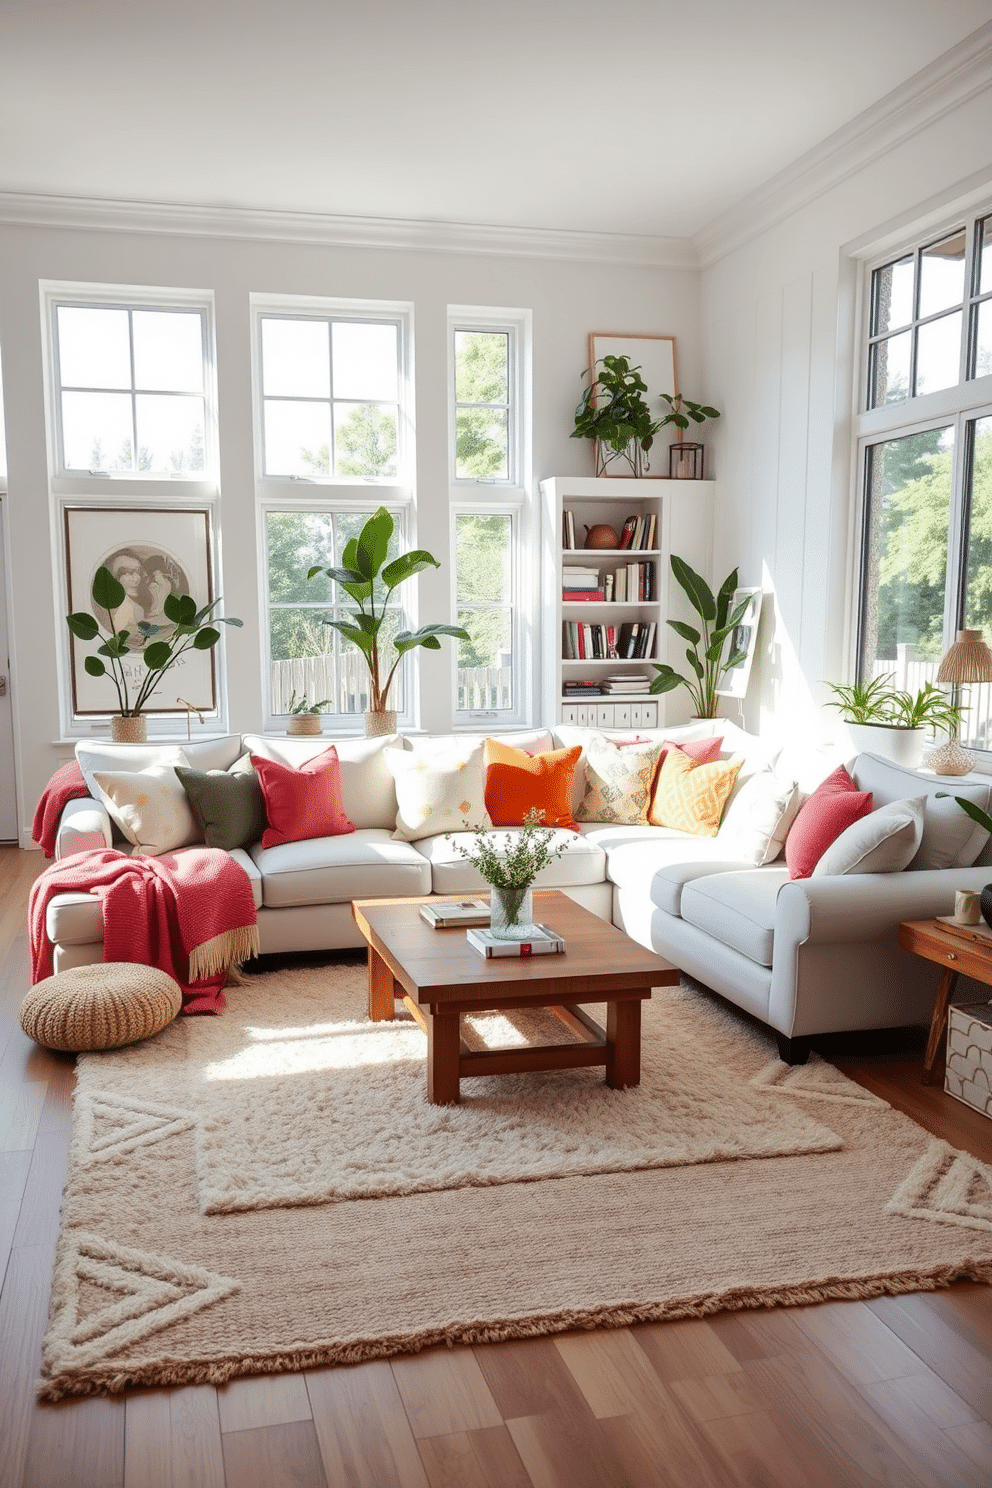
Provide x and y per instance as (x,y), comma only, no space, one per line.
(381,994)
(443,1049)
(623,1043)
(938,1024)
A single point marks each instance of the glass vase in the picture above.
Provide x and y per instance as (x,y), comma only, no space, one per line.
(511,913)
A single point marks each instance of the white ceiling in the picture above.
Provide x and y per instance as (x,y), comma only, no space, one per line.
(646,117)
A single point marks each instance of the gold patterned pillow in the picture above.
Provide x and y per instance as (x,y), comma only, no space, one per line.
(618,781)
(691,797)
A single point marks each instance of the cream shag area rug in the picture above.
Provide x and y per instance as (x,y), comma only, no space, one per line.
(269,1190)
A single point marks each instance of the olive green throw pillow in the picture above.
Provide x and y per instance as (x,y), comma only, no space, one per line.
(228,804)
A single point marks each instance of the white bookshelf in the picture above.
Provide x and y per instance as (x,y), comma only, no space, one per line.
(683,524)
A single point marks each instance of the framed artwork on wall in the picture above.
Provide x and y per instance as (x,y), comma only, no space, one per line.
(152,552)
(744,638)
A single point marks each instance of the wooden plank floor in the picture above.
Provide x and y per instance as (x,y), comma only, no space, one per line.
(896,1391)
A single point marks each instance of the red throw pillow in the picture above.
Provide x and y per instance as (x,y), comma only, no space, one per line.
(830,810)
(304,802)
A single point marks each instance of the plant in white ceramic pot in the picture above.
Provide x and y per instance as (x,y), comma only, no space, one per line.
(882,719)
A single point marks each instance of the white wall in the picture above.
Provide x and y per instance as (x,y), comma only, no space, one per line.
(568,299)
(778,319)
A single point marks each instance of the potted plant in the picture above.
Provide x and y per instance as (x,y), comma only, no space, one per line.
(883,720)
(189,628)
(304,717)
(613,412)
(707,645)
(368,580)
(509,859)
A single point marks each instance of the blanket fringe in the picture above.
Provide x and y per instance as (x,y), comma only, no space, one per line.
(229,948)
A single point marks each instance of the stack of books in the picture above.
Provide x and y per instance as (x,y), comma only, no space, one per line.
(640,533)
(581,583)
(542,941)
(631,684)
(635,639)
(467,912)
(586,687)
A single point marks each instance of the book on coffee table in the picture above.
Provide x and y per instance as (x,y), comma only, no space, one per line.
(467,912)
(543,942)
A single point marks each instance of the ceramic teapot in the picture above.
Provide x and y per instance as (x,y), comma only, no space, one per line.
(601,536)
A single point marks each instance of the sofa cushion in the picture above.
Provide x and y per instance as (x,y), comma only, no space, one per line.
(581,862)
(690,796)
(737,909)
(758,817)
(228,804)
(365,864)
(663,862)
(367,788)
(438,790)
(304,802)
(950,838)
(884,841)
(831,808)
(202,754)
(618,778)
(518,782)
(150,806)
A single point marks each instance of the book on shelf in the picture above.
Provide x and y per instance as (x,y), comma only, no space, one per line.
(627,534)
(580,684)
(569,596)
(466,912)
(542,942)
(580,569)
(631,685)
(567,529)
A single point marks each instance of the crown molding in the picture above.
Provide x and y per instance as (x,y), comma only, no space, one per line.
(942,86)
(35,209)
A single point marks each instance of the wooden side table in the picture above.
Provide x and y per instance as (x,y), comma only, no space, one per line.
(961,950)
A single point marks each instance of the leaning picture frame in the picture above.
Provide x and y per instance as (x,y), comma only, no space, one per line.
(153,552)
(655,355)
(744,637)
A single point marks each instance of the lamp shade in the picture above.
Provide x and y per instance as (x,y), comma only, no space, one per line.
(968,660)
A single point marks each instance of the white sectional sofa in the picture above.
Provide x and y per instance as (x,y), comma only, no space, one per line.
(805,956)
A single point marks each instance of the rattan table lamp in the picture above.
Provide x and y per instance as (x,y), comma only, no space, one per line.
(968,660)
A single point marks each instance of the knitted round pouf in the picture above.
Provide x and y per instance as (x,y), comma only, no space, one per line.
(102,1006)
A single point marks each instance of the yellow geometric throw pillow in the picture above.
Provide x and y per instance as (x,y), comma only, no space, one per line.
(690,797)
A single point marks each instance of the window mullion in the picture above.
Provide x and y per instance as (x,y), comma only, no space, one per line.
(957,540)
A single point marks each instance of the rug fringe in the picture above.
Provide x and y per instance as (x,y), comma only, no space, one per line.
(229,948)
(111,1381)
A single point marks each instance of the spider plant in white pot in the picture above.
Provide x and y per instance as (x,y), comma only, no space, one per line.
(883,720)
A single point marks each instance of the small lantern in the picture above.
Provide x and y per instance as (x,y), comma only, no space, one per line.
(685,461)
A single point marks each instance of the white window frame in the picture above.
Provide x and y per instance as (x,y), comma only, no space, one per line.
(128,490)
(969,400)
(491,496)
(320,493)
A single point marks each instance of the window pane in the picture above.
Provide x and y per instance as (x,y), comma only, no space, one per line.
(365,439)
(94,347)
(907,523)
(482,362)
(96,431)
(365,361)
(170,434)
(485,674)
(484,577)
(168,350)
(890,363)
(481,444)
(482,558)
(983,267)
(893,295)
(295,358)
(942,275)
(976,727)
(302,659)
(938,353)
(297,438)
(983,339)
(297,542)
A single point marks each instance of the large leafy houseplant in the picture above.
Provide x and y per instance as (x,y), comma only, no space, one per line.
(614,412)
(708,655)
(368,580)
(190,629)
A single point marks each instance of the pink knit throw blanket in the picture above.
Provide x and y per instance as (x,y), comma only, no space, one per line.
(67,784)
(191,914)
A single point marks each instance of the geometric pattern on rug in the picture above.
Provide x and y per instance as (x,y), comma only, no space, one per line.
(947,1186)
(107,1296)
(110,1126)
(816,1079)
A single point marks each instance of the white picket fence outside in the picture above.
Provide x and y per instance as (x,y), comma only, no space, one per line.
(478,688)
(910,673)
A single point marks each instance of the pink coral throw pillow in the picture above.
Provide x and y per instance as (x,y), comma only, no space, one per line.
(830,810)
(304,802)
(703,751)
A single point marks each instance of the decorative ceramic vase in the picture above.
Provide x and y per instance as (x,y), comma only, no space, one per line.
(984,899)
(903,746)
(601,536)
(382,722)
(304,723)
(511,913)
(126,729)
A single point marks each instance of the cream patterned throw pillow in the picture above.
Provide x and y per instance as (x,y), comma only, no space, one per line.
(691,797)
(437,793)
(150,806)
(618,781)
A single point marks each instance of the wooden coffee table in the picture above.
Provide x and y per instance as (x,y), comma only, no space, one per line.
(438,976)
(962,950)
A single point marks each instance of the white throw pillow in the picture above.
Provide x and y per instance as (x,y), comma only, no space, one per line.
(757,820)
(438,792)
(150,806)
(950,838)
(884,841)
(617,781)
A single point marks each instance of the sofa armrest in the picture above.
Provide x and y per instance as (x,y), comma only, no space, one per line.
(84,827)
(863,906)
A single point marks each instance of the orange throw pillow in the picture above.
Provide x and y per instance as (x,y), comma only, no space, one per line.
(517,782)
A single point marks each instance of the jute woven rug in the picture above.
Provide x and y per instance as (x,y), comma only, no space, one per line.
(269,1190)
